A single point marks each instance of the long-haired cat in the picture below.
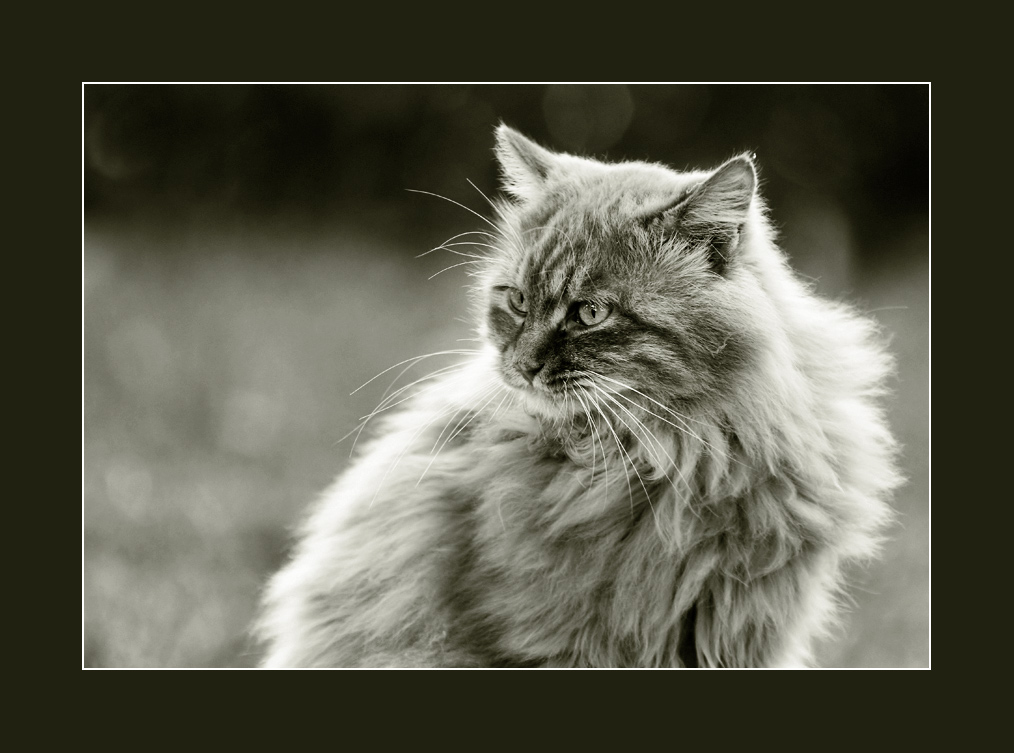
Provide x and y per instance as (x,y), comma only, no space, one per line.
(663,455)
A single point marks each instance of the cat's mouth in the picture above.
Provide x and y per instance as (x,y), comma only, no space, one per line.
(540,383)
(552,396)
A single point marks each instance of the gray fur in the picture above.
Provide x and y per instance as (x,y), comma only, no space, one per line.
(680,484)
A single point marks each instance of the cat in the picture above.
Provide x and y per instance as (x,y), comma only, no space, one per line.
(663,455)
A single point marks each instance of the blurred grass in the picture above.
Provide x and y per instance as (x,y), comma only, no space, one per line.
(217,373)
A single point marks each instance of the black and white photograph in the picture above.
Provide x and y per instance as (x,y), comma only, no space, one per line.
(505,376)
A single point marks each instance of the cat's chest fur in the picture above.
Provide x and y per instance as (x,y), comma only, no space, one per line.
(561,559)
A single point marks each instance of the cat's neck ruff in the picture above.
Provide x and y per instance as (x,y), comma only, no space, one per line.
(624,437)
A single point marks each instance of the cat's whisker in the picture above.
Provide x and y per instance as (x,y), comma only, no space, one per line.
(364,420)
(453,266)
(357,428)
(668,409)
(455,237)
(416,359)
(633,466)
(496,389)
(597,437)
(619,445)
(458,253)
(401,373)
(500,405)
(596,417)
(612,395)
(679,417)
(438,415)
(386,404)
(675,466)
(592,412)
(475,253)
(445,246)
(456,203)
(450,410)
(467,412)
(591,432)
(568,410)
(642,425)
(461,414)
(388,396)
(626,386)
(488,200)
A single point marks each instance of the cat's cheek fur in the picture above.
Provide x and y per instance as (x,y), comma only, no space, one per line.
(502,327)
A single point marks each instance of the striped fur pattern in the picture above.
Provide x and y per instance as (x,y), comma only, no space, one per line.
(663,454)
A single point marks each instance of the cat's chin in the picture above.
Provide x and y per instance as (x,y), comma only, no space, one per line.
(543,403)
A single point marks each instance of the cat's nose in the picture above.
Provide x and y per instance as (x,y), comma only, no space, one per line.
(529,369)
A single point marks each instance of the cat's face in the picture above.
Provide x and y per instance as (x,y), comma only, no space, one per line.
(617,277)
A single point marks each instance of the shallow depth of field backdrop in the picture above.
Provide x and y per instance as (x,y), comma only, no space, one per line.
(250,258)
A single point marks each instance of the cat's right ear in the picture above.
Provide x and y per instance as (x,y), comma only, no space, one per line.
(524,165)
(714,212)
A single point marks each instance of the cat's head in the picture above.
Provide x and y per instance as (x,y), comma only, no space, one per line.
(627,276)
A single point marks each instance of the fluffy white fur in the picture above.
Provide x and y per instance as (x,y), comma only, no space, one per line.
(489,524)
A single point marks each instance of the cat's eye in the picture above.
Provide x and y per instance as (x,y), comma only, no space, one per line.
(517,301)
(590,314)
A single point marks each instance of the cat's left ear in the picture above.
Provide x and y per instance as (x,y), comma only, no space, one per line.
(714,211)
(525,165)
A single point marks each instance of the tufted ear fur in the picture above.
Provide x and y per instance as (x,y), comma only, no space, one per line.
(524,165)
(713,212)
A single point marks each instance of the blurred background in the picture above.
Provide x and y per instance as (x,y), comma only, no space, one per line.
(250,257)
